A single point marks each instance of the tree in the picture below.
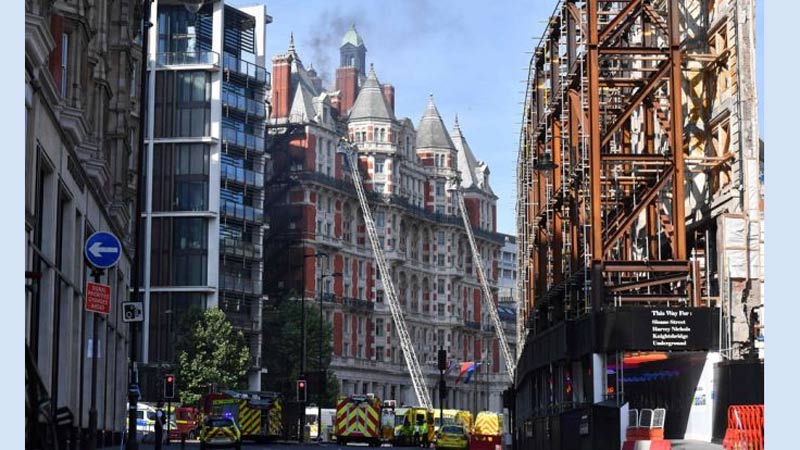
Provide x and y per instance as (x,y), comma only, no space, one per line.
(283,350)
(213,353)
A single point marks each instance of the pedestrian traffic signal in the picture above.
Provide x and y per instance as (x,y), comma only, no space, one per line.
(301,390)
(169,386)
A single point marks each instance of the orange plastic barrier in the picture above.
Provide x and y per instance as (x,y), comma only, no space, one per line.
(745,428)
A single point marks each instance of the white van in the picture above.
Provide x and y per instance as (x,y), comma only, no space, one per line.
(327,422)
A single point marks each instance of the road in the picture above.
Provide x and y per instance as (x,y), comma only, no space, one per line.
(250,446)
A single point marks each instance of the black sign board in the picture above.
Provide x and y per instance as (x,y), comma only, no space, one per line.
(665,329)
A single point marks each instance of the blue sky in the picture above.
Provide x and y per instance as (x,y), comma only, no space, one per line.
(472,56)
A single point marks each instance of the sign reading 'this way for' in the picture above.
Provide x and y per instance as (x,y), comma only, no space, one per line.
(670,327)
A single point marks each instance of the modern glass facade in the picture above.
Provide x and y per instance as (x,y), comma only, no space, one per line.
(204,217)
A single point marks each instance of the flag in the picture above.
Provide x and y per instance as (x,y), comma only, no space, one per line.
(464,367)
(470,371)
(450,366)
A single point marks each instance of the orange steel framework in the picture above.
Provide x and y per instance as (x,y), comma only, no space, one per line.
(601,163)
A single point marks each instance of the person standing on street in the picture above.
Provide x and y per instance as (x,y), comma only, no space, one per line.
(159,425)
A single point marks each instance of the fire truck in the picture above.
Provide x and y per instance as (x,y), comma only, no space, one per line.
(258,414)
(487,432)
(358,419)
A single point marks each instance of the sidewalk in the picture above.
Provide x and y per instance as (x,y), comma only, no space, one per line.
(694,445)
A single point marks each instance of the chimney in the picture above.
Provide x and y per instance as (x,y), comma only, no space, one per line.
(281,86)
(388,95)
(347,85)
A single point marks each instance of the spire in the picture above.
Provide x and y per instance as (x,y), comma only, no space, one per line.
(291,42)
(455,125)
(352,37)
(370,102)
(431,132)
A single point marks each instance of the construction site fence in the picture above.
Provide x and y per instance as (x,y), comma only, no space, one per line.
(745,428)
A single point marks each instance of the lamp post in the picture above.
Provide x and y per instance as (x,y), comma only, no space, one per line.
(323,375)
(303,333)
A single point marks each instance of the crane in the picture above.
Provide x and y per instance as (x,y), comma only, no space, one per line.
(453,186)
(410,356)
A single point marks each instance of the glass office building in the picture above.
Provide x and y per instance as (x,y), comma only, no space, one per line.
(202,216)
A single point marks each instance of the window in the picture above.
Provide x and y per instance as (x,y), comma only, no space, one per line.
(440,260)
(439,188)
(361,268)
(180,177)
(360,325)
(440,286)
(379,353)
(440,237)
(380,189)
(359,354)
(379,297)
(380,219)
(179,251)
(361,293)
(347,349)
(64,63)
(379,165)
(183,104)
(379,329)
(346,323)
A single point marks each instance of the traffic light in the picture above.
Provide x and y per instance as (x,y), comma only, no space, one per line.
(301,390)
(442,359)
(169,386)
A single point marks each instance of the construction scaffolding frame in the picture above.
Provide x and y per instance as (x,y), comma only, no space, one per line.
(601,220)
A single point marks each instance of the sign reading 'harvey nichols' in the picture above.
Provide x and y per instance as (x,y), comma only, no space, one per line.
(670,327)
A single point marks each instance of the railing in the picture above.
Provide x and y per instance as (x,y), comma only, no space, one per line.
(472,325)
(240,248)
(358,304)
(204,57)
(328,239)
(244,104)
(242,176)
(234,64)
(238,138)
(242,212)
(238,284)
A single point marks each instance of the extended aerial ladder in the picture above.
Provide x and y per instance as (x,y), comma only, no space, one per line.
(511,363)
(410,356)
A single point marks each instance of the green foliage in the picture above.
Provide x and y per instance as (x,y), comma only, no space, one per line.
(283,349)
(213,353)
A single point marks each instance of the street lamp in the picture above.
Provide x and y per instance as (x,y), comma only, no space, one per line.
(323,376)
(303,330)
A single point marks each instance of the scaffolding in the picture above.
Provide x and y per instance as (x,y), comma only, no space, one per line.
(599,164)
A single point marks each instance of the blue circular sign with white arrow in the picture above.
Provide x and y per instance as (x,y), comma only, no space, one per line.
(103,250)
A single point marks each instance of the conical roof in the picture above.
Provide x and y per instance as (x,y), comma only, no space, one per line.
(431,132)
(352,37)
(370,102)
(466,159)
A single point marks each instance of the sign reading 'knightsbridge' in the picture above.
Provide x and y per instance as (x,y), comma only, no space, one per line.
(659,329)
(670,327)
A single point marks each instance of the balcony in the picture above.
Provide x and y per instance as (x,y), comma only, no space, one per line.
(241,212)
(242,176)
(188,60)
(395,254)
(235,67)
(330,241)
(239,284)
(239,248)
(243,105)
(355,304)
(472,325)
(242,140)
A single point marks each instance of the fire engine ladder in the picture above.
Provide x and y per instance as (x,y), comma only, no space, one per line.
(487,293)
(410,356)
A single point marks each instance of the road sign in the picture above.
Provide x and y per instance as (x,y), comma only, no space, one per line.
(103,250)
(132,312)
(98,297)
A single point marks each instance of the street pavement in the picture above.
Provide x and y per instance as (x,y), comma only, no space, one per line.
(194,445)
(676,445)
